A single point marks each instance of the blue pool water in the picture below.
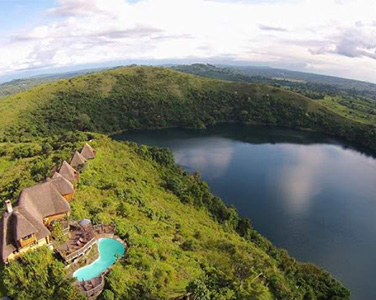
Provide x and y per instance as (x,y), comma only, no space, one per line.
(109,250)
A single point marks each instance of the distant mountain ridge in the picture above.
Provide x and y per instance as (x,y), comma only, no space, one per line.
(19,85)
(266,75)
(269,72)
(276,76)
(154,97)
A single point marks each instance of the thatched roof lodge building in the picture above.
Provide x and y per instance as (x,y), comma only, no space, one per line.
(64,186)
(27,225)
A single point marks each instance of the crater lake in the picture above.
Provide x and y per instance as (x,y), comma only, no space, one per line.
(308,193)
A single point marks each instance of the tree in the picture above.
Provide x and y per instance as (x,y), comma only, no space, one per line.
(58,233)
(47,149)
(38,275)
(242,270)
(199,290)
(108,295)
(40,169)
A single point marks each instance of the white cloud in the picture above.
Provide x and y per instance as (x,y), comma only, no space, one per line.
(298,181)
(212,160)
(329,36)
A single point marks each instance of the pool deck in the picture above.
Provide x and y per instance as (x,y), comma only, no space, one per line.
(79,243)
(92,288)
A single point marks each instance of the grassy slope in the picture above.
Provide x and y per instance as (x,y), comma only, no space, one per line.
(360,112)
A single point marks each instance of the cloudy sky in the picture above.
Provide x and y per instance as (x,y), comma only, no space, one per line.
(334,37)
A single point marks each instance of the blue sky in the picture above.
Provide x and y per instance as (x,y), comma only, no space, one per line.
(16,14)
(37,36)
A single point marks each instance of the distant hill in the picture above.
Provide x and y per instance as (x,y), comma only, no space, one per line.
(341,83)
(20,85)
(351,99)
(313,85)
(155,97)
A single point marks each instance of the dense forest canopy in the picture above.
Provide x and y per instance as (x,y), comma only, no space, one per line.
(352,99)
(150,97)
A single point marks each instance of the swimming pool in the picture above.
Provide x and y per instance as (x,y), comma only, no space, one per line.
(109,250)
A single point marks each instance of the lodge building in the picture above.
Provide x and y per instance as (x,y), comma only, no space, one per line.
(28,225)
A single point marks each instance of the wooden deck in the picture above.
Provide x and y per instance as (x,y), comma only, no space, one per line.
(80,241)
(92,288)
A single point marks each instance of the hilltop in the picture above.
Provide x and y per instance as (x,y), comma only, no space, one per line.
(23,84)
(151,97)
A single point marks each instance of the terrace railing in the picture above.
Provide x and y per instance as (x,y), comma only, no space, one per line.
(80,251)
(95,290)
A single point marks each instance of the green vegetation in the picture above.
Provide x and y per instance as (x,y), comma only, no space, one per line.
(20,85)
(58,234)
(355,108)
(352,99)
(314,86)
(182,238)
(147,97)
(39,275)
(38,160)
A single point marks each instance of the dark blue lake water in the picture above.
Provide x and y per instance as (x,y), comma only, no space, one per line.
(305,192)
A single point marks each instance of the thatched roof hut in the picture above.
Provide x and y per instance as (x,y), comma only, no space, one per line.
(35,204)
(79,162)
(63,185)
(68,172)
(88,152)
(43,200)
(21,225)
(7,244)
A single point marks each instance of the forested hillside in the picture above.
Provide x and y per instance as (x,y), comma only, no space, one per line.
(355,100)
(149,97)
